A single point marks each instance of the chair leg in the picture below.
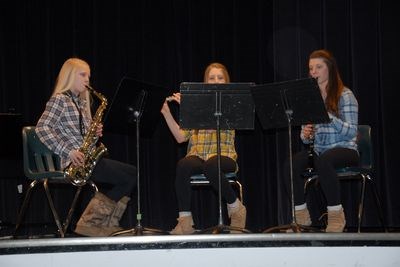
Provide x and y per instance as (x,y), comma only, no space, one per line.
(24,205)
(71,210)
(73,205)
(53,209)
(93,185)
(240,187)
(378,202)
(361,203)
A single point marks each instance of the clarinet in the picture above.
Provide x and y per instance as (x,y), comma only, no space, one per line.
(310,166)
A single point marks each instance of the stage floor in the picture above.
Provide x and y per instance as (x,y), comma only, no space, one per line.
(276,249)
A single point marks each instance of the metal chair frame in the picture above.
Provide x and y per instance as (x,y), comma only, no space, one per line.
(363,172)
(201,179)
(42,166)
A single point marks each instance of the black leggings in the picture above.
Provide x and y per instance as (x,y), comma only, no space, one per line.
(325,165)
(191,165)
(121,175)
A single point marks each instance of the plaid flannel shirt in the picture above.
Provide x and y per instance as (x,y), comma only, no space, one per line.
(342,130)
(203,143)
(58,127)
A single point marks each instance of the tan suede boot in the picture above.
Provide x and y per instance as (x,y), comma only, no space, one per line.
(93,220)
(238,217)
(303,217)
(184,226)
(113,220)
(336,221)
(118,211)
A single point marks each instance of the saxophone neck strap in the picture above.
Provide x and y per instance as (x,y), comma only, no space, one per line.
(81,124)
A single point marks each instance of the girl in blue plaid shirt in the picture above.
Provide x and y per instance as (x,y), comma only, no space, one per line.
(334,142)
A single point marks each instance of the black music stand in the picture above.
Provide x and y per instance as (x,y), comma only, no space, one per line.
(287,104)
(138,103)
(220,107)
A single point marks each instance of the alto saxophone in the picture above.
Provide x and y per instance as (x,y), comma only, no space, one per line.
(79,175)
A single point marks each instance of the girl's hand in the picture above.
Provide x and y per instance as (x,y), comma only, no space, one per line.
(99,130)
(77,157)
(308,131)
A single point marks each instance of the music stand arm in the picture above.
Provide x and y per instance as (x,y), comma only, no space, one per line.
(137,115)
(289,114)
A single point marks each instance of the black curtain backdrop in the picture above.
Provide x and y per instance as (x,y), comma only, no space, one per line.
(172,41)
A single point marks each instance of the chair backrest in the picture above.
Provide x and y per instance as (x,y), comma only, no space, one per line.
(364,144)
(39,161)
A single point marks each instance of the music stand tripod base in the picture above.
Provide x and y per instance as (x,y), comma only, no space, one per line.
(292,228)
(223,229)
(137,231)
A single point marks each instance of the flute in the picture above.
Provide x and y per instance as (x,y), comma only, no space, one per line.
(173,97)
(169,98)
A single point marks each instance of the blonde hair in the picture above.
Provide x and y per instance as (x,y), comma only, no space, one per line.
(66,78)
(217,66)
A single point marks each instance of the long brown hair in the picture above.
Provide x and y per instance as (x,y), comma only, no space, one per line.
(335,86)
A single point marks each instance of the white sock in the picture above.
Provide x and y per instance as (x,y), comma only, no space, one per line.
(185,213)
(234,205)
(300,207)
(334,208)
